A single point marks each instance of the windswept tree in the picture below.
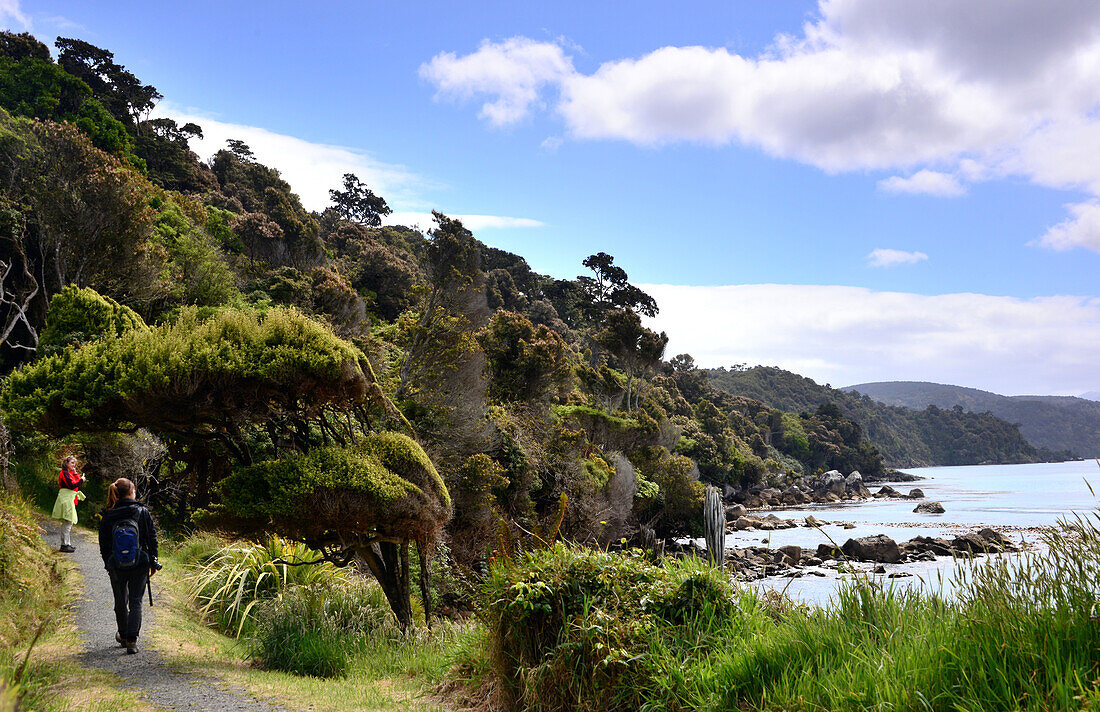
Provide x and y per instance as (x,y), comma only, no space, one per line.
(609,289)
(293,410)
(358,203)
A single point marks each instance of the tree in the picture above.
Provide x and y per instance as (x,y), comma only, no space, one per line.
(526,362)
(119,90)
(636,347)
(454,268)
(367,501)
(357,203)
(22,46)
(93,218)
(231,379)
(609,289)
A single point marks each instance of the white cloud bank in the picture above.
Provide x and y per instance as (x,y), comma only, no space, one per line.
(846,335)
(883,257)
(950,89)
(312,169)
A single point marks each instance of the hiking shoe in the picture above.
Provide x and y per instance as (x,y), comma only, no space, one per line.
(131,647)
(67,549)
(119,640)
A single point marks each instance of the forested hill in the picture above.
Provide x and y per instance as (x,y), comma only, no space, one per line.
(185,321)
(904,436)
(1053,422)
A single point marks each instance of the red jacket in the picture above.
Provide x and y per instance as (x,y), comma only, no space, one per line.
(69,480)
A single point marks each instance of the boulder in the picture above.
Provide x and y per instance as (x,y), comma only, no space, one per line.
(879,548)
(832,481)
(849,525)
(793,495)
(887,491)
(827,551)
(929,508)
(743,523)
(916,493)
(734,512)
(812,521)
(975,543)
(791,553)
(853,481)
(994,536)
(770,495)
(925,544)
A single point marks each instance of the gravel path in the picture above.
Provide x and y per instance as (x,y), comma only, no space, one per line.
(160,684)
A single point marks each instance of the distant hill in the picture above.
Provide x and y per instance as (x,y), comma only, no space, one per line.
(1091,395)
(1053,422)
(906,437)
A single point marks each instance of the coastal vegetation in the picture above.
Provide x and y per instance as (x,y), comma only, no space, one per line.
(322,410)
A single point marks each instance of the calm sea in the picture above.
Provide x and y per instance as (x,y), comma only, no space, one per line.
(1015,499)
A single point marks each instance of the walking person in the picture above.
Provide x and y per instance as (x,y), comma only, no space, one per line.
(68,494)
(128,545)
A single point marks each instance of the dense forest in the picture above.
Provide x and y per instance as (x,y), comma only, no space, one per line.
(905,437)
(1059,423)
(374,391)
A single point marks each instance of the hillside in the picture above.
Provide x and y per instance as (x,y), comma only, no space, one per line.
(1053,422)
(905,437)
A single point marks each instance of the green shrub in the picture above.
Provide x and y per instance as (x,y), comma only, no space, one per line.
(79,315)
(574,628)
(318,629)
(229,584)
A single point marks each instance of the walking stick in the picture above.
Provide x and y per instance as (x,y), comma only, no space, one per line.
(149,585)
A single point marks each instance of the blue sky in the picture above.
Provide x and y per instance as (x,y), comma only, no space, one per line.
(705,145)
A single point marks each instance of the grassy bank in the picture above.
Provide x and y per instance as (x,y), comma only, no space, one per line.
(385,669)
(37,586)
(583,630)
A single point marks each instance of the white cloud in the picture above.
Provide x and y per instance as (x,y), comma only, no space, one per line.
(844,335)
(943,90)
(924,182)
(883,257)
(10,9)
(514,71)
(1081,230)
(473,223)
(312,169)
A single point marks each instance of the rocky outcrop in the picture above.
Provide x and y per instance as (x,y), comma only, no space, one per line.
(857,555)
(929,508)
(879,548)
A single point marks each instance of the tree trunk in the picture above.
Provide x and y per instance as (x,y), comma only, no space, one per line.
(389,562)
(425,589)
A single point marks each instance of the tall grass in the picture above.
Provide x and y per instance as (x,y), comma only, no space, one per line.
(231,581)
(583,631)
(32,593)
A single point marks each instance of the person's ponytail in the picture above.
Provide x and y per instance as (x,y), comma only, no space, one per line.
(119,489)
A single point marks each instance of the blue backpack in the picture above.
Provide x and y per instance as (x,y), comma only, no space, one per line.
(126,544)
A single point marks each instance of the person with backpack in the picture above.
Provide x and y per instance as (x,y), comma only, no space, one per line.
(128,545)
(68,494)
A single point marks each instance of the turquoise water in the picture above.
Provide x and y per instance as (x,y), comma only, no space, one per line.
(1015,499)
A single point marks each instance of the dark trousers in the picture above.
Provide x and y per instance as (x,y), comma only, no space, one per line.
(129,587)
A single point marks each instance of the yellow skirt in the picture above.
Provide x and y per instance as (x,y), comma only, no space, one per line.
(64,507)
